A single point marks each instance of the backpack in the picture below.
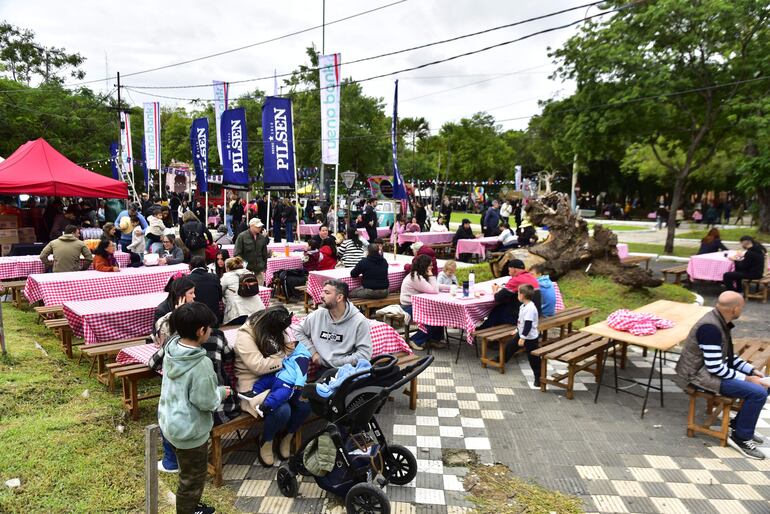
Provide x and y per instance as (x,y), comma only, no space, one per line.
(248,285)
(195,239)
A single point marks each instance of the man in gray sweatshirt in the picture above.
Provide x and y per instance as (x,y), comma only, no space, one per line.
(337,334)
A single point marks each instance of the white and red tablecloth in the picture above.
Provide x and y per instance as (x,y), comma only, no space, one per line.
(280,262)
(316,279)
(309,229)
(58,288)
(384,340)
(429,238)
(476,246)
(277,248)
(213,220)
(710,266)
(622,250)
(25,265)
(110,319)
(382,232)
(445,310)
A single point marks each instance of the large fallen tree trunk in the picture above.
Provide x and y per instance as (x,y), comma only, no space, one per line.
(569,246)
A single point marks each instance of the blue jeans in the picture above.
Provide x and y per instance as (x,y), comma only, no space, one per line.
(420,338)
(277,231)
(289,232)
(169,455)
(229,224)
(754,397)
(289,416)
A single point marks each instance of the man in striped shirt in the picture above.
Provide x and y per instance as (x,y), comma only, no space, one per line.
(708,361)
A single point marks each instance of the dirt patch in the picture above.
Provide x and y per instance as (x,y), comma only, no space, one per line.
(459,458)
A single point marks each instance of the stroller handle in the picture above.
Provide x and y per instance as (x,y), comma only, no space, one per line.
(413,371)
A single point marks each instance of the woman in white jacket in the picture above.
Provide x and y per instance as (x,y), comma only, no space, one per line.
(237,307)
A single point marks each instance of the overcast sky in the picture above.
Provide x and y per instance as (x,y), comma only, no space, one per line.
(507,82)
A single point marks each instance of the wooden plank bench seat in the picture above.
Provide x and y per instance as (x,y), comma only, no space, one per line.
(62,329)
(45,312)
(303,290)
(761,288)
(676,271)
(368,305)
(100,353)
(580,351)
(442,249)
(17,291)
(637,259)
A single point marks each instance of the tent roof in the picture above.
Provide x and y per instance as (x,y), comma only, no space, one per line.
(36,168)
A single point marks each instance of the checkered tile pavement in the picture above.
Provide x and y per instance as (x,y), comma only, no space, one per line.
(602,453)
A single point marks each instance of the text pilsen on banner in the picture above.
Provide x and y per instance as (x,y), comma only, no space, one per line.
(152,135)
(329,69)
(220,106)
(199,144)
(278,137)
(235,168)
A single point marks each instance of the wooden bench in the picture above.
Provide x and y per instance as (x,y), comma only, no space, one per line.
(581,352)
(17,291)
(61,327)
(637,259)
(303,289)
(100,353)
(442,249)
(677,271)
(367,305)
(761,287)
(45,312)
(130,375)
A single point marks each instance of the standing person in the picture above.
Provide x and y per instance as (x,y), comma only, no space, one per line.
(525,335)
(189,394)
(236,214)
(173,205)
(422,215)
(200,210)
(262,207)
(370,218)
(708,361)
(278,213)
(289,219)
(505,211)
(67,251)
(749,264)
(373,270)
(251,246)
(492,220)
(446,210)
(194,234)
(123,222)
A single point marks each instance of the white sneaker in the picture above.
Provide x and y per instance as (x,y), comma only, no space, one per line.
(163,469)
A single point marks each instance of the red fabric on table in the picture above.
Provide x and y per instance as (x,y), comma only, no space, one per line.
(309,229)
(316,279)
(476,246)
(426,237)
(26,265)
(637,323)
(58,288)
(281,262)
(382,232)
(110,319)
(276,248)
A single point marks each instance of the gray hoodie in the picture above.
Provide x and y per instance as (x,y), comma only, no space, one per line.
(337,342)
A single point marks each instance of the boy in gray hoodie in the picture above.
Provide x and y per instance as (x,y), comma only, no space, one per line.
(338,334)
(189,393)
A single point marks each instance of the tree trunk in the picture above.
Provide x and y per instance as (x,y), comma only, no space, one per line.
(763,201)
(676,201)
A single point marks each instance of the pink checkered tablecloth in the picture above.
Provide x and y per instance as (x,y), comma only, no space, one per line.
(58,288)
(384,340)
(316,279)
(622,250)
(26,265)
(276,248)
(213,220)
(309,229)
(382,232)
(476,246)
(710,266)
(425,237)
(280,262)
(110,319)
(445,310)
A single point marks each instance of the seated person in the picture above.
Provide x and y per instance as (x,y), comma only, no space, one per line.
(711,243)
(104,256)
(749,264)
(439,226)
(327,259)
(525,335)
(464,231)
(708,362)
(373,270)
(447,278)
(547,295)
(421,280)
(324,237)
(208,288)
(170,253)
(413,226)
(352,249)
(419,248)
(507,238)
(507,309)
(337,333)
(238,306)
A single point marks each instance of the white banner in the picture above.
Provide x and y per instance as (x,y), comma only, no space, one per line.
(220,106)
(517,178)
(330,108)
(152,135)
(127,155)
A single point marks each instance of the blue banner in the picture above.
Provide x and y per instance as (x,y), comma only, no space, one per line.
(144,167)
(199,143)
(399,189)
(235,158)
(278,139)
(114,161)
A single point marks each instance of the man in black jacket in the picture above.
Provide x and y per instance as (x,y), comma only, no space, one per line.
(749,266)
(236,212)
(278,213)
(324,237)
(208,289)
(370,219)
(374,272)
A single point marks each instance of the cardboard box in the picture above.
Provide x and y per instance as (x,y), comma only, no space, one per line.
(9,221)
(5,250)
(27,235)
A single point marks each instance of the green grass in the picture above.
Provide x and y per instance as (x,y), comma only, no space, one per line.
(618,228)
(65,448)
(457,217)
(679,251)
(728,234)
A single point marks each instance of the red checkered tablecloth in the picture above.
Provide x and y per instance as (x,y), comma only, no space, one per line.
(280,262)
(309,229)
(276,248)
(476,246)
(622,250)
(110,319)
(710,266)
(26,265)
(382,232)
(58,288)
(316,279)
(425,237)
(445,310)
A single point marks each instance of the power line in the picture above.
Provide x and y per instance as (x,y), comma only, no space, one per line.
(395,52)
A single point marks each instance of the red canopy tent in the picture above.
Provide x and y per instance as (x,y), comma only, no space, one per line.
(36,168)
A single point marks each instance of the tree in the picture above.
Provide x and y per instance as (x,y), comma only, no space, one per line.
(754,164)
(671,72)
(24,58)
(477,148)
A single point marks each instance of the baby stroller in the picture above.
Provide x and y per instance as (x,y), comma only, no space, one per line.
(364,462)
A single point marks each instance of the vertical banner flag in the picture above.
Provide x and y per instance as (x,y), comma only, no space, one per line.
(152,135)
(144,168)
(235,166)
(399,189)
(199,143)
(278,139)
(127,156)
(517,178)
(114,161)
(220,106)
(329,68)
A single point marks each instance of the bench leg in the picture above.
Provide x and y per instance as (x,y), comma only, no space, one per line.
(570,380)
(623,355)
(725,424)
(543,373)
(216,460)
(691,417)
(66,341)
(501,356)
(483,352)
(413,394)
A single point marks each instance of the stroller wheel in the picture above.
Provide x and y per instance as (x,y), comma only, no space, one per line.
(400,464)
(287,482)
(365,498)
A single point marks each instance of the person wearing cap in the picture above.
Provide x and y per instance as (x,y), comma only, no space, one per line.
(251,246)
(507,305)
(464,231)
(123,222)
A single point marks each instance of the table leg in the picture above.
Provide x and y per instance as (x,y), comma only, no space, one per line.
(660,373)
(649,383)
(599,378)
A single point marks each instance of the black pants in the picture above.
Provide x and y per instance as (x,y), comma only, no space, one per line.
(732,280)
(193,466)
(529,346)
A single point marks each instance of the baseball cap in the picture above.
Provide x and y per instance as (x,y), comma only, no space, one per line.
(256,222)
(516,263)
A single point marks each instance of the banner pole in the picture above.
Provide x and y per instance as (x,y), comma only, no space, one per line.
(267,224)
(336,196)
(294,161)
(206,210)
(247,210)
